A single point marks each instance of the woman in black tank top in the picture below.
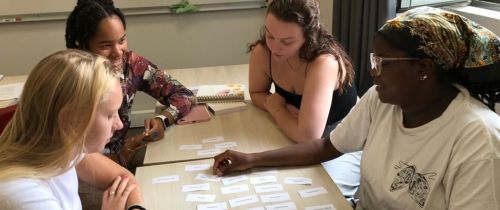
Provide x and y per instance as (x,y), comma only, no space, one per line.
(312,78)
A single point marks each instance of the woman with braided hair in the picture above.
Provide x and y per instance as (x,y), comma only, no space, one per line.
(99,27)
(428,135)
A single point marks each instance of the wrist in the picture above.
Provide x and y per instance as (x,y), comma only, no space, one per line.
(135,207)
(164,119)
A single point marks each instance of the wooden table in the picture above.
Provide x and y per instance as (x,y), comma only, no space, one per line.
(169,195)
(253,129)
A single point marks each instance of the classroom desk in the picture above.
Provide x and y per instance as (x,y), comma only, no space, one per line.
(169,195)
(252,129)
(10,80)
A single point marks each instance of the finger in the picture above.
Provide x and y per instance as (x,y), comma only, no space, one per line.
(112,189)
(147,124)
(129,190)
(122,186)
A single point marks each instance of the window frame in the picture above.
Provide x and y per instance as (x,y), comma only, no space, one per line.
(399,9)
(487,4)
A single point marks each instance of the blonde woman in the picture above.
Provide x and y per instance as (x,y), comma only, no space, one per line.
(68,110)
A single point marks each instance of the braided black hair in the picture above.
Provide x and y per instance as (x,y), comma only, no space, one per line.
(83,21)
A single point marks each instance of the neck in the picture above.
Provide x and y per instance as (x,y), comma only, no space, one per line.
(429,107)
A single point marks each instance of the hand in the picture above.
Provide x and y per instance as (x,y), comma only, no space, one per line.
(153,129)
(293,110)
(231,161)
(115,197)
(129,149)
(274,102)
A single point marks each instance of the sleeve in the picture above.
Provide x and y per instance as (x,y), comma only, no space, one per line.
(350,135)
(161,86)
(28,196)
(473,180)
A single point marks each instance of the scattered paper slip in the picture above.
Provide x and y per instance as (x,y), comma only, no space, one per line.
(312,192)
(282,206)
(268,188)
(322,207)
(212,206)
(200,198)
(298,180)
(226,145)
(215,151)
(263,179)
(243,201)
(212,139)
(201,167)
(165,179)
(234,189)
(278,197)
(11,91)
(190,147)
(234,179)
(196,187)
(207,177)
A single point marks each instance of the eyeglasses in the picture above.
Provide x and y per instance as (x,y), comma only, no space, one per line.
(377,61)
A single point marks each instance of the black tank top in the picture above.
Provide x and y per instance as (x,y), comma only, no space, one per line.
(341,103)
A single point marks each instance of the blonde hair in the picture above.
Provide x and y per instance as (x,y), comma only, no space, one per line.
(57,105)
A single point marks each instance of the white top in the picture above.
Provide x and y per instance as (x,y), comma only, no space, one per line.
(452,162)
(56,193)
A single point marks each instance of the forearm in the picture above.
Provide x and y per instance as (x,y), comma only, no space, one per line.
(259,98)
(305,153)
(100,171)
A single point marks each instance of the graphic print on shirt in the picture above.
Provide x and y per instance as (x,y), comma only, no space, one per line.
(418,184)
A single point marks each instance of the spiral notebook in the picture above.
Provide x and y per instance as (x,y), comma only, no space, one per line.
(220,93)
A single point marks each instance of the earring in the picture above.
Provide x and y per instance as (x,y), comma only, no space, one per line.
(423,77)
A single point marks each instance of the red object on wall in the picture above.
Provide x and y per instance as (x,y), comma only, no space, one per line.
(5,115)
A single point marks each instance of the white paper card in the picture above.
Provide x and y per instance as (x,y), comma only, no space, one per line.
(201,167)
(207,177)
(257,208)
(263,179)
(322,207)
(312,192)
(190,147)
(243,201)
(212,139)
(200,198)
(234,179)
(212,206)
(234,189)
(11,91)
(268,188)
(298,180)
(277,197)
(282,206)
(195,187)
(264,171)
(226,145)
(214,151)
(165,179)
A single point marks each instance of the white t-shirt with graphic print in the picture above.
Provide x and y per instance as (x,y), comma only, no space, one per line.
(452,162)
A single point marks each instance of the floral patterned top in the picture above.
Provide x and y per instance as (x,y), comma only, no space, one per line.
(142,75)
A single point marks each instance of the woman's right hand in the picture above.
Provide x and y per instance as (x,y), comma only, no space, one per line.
(231,161)
(115,197)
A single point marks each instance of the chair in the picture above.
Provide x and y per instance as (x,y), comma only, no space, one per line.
(5,115)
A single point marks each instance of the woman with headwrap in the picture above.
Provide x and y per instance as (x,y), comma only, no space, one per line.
(428,135)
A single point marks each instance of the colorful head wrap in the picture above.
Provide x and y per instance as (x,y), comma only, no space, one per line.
(452,41)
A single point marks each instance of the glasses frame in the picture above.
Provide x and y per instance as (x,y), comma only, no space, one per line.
(376,63)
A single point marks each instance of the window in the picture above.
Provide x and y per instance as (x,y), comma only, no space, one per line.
(404,5)
(487,4)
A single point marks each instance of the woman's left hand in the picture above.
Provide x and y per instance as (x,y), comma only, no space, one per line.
(115,197)
(153,129)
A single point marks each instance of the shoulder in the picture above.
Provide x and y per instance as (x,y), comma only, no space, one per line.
(325,66)
(27,194)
